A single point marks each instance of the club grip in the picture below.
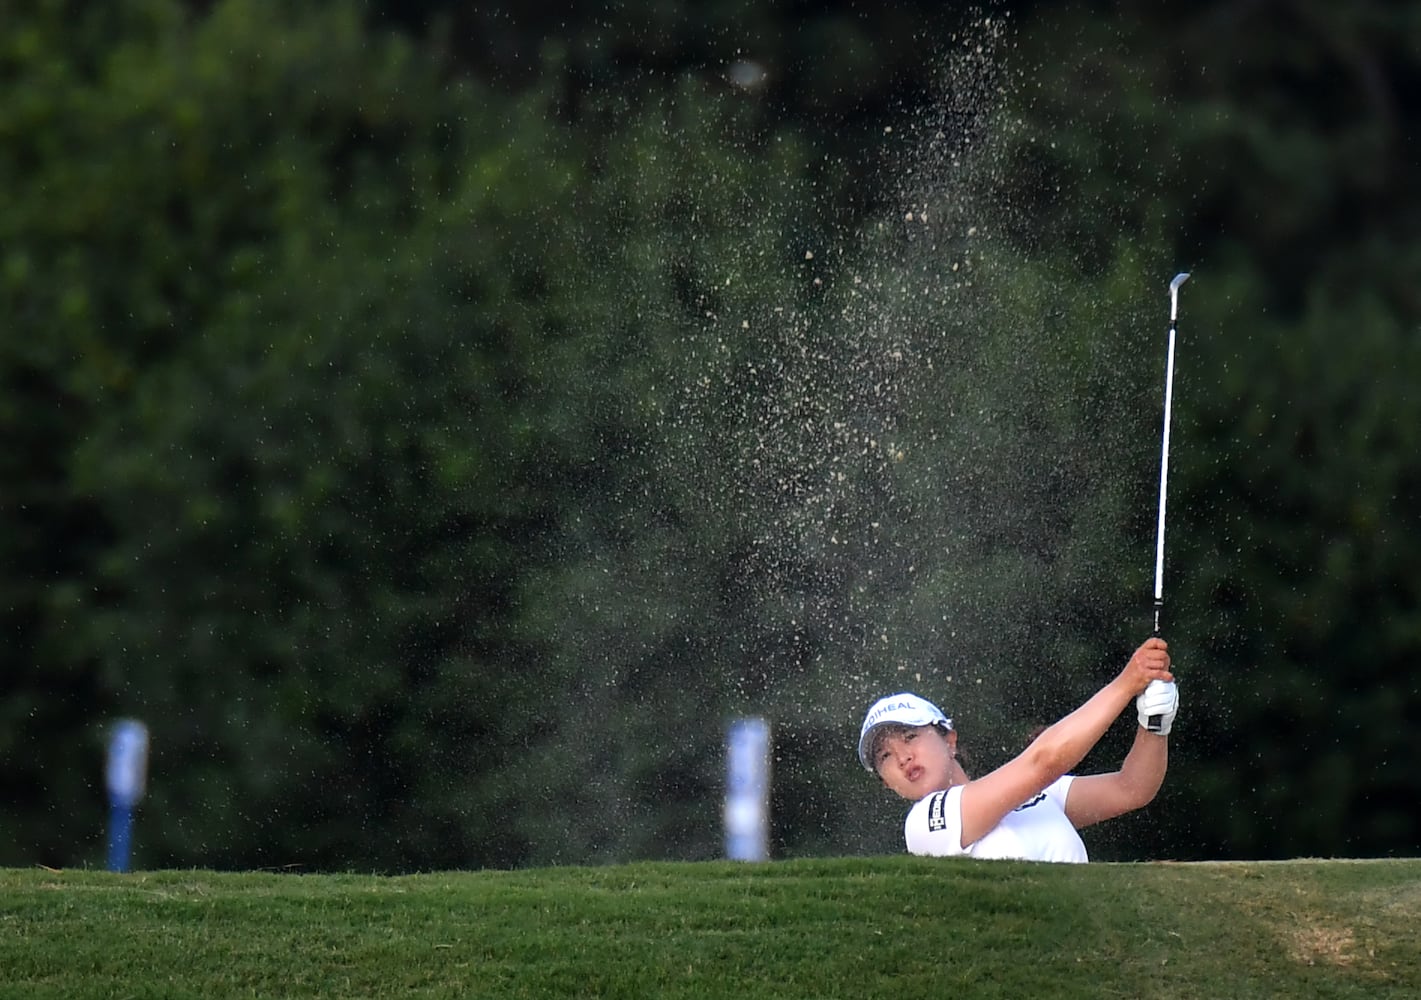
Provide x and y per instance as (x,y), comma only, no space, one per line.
(1153,723)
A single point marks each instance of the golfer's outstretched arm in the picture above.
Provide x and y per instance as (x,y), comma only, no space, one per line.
(1061,746)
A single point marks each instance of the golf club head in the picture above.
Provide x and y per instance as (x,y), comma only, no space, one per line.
(1179,279)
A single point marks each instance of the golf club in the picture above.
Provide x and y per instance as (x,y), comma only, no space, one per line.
(1153,722)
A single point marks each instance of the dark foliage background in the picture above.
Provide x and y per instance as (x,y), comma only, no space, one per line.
(435,421)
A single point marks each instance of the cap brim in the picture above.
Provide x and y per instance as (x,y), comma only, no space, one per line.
(911,722)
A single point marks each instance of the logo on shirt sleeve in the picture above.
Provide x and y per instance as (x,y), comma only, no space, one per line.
(937,812)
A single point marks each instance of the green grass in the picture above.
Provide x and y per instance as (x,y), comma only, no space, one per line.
(881,927)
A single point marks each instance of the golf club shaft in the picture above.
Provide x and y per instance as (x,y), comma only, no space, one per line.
(1164,475)
(1154,722)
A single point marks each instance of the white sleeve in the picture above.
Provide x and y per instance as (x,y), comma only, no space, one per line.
(1059,789)
(934,825)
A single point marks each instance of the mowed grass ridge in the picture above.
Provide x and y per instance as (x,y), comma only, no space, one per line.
(848,927)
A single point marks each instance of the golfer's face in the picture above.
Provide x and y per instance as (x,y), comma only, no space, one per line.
(914,762)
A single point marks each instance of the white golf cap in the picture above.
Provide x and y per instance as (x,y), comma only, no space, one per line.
(901,709)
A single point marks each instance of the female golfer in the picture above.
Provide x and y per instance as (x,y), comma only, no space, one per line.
(1031,807)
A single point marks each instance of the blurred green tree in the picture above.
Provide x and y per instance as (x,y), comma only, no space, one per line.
(271,277)
(437,465)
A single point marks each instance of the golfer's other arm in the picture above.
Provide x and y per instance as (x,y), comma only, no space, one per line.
(1098,797)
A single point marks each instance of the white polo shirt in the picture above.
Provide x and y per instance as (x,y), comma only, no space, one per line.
(1036,830)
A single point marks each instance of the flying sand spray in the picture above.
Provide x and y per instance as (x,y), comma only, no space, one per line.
(1153,723)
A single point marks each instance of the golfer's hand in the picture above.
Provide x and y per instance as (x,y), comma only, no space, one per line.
(1149,663)
(1160,701)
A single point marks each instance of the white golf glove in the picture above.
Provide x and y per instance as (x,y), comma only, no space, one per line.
(1160,699)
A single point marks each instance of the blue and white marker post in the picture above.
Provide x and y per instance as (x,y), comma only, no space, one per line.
(127,775)
(747,790)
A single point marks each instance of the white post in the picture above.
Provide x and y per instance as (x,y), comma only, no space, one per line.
(126,776)
(747,790)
